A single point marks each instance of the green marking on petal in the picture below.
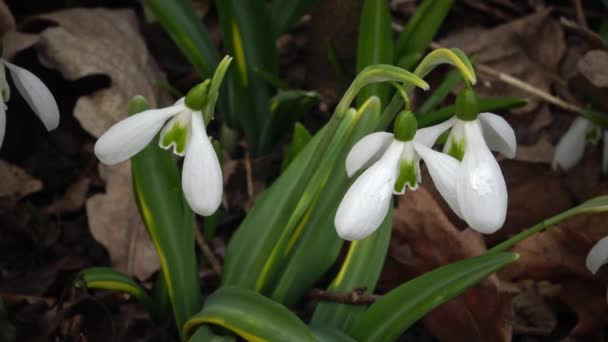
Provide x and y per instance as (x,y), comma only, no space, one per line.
(593,136)
(175,134)
(408,176)
(456,148)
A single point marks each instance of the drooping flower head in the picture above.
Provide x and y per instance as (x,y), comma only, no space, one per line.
(571,147)
(392,165)
(185,133)
(34,92)
(468,176)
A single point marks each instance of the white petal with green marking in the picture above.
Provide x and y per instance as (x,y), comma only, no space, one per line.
(176,133)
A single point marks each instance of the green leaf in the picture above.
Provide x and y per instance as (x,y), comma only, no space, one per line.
(325,333)
(595,205)
(454,57)
(484,105)
(304,254)
(179,19)
(285,13)
(422,27)
(290,106)
(249,37)
(108,279)
(169,221)
(361,268)
(249,315)
(396,311)
(300,137)
(452,79)
(375,45)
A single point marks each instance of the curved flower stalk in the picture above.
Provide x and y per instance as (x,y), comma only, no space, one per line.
(598,256)
(185,133)
(468,176)
(571,147)
(35,93)
(392,164)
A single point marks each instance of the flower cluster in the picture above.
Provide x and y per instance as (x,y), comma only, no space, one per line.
(467,175)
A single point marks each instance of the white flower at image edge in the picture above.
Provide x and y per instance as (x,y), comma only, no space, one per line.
(366,202)
(474,188)
(571,147)
(35,93)
(186,134)
(598,256)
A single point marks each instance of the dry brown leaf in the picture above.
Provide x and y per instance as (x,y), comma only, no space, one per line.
(531,187)
(424,239)
(529,49)
(86,42)
(558,255)
(16,183)
(73,199)
(541,152)
(89,42)
(7,21)
(116,224)
(591,79)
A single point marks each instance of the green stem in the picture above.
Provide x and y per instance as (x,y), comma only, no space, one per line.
(539,227)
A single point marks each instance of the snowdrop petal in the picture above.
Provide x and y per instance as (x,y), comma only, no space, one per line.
(366,202)
(202,181)
(2,122)
(571,146)
(443,170)
(37,95)
(129,136)
(604,153)
(480,185)
(598,255)
(366,151)
(427,136)
(498,134)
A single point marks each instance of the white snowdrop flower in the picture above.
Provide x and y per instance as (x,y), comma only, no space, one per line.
(35,93)
(474,187)
(392,164)
(185,133)
(598,256)
(571,147)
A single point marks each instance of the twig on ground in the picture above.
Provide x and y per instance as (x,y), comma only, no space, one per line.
(355,297)
(522,85)
(580,13)
(202,244)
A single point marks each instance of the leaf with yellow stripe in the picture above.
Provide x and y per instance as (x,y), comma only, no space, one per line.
(360,269)
(108,279)
(169,222)
(251,316)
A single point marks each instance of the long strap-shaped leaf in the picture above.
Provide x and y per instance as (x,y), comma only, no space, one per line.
(285,13)
(251,316)
(314,246)
(248,36)
(375,45)
(179,19)
(361,268)
(108,279)
(169,221)
(390,316)
(420,30)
